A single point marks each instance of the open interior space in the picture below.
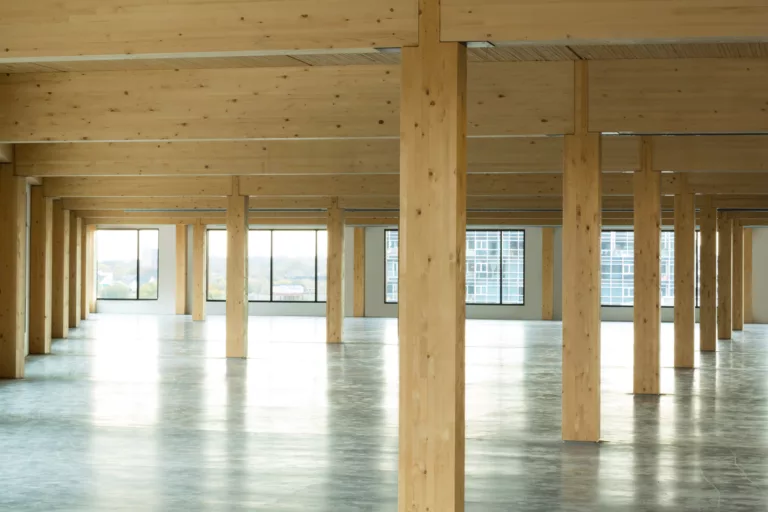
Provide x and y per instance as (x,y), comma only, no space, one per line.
(412,255)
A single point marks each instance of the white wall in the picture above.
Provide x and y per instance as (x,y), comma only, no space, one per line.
(166,289)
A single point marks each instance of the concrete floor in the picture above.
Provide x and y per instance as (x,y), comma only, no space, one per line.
(141,413)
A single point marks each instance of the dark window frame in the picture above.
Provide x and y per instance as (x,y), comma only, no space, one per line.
(138,264)
(501,267)
(271,268)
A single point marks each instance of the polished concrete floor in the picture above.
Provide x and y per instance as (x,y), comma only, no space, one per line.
(141,413)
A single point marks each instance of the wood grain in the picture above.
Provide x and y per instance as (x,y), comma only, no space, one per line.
(334,304)
(237,275)
(40,267)
(198,271)
(75,254)
(182,237)
(724,277)
(738,276)
(685,279)
(708,283)
(60,272)
(547,273)
(359,275)
(748,312)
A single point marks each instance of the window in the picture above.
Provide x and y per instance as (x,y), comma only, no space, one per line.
(283,265)
(127,264)
(495,267)
(618,268)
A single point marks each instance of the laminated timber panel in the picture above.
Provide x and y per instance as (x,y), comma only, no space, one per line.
(710,153)
(339,156)
(136,187)
(600,21)
(679,96)
(49,28)
(524,98)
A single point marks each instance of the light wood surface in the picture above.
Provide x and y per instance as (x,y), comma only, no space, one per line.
(198,271)
(748,312)
(708,276)
(182,235)
(685,279)
(547,273)
(84,256)
(13,275)
(724,277)
(647,307)
(431,270)
(237,275)
(60,272)
(40,268)
(136,186)
(738,276)
(334,305)
(359,276)
(90,290)
(593,21)
(75,254)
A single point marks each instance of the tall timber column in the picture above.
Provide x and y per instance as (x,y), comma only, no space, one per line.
(359,264)
(90,268)
(334,304)
(60,272)
(84,271)
(582,223)
(738,276)
(198,271)
(237,272)
(40,269)
(724,276)
(647,308)
(75,253)
(748,319)
(13,278)
(547,273)
(708,277)
(181,268)
(433,224)
(685,278)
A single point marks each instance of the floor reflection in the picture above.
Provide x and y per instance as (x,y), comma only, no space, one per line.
(145,413)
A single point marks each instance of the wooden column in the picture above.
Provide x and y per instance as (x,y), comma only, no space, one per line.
(90,288)
(433,223)
(198,271)
(685,279)
(84,271)
(359,298)
(724,277)
(582,224)
(237,273)
(708,277)
(60,273)
(647,307)
(334,305)
(547,273)
(40,270)
(182,231)
(75,252)
(748,319)
(13,278)
(738,276)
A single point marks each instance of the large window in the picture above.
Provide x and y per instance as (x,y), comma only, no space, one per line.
(617,268)
(283,265)
(127,264)
(495,267)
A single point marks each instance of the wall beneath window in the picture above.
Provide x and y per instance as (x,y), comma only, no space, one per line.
(291,308)
(375,270)
(166,290)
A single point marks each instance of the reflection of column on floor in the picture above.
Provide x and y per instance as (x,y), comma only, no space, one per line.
(647,311)
(582,223)
(334,306)
(182,231)
(547,273)
(40,268)
(738,276)
(685,279)
(60,272)
(708,277)
(13,222)
(724,276)
(198,271)
(75,252)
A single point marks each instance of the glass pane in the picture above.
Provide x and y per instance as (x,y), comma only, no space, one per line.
(293,274)
(513,266)
(617,254)
(217,264)
(116,254)
(148,262)
(667,268)
(322,266)
(259,270)
(391,254)
(483,267)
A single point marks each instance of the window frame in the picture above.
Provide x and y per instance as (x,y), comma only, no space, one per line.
(271,268)
(501,267)
(138,264)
